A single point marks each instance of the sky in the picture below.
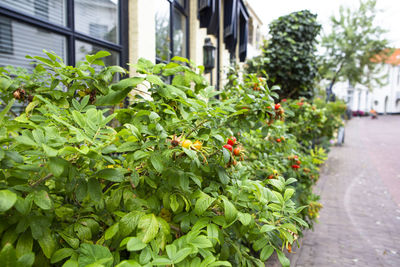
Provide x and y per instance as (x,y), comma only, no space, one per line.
(388,18)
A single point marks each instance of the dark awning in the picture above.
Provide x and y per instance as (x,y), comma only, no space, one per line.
(206,9)
(244,29)
(230,25)
(213,28)
(209,11)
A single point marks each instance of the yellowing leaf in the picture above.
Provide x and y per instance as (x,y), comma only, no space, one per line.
(148,228)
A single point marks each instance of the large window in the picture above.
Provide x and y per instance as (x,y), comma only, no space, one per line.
(70,28)
(171,20)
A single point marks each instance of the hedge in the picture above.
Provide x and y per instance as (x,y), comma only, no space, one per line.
(182,175)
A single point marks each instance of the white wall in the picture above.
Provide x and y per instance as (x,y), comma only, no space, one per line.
(382,99)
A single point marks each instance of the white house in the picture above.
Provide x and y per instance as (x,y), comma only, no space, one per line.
(385,100)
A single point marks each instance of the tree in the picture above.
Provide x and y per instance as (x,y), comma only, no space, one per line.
(291,62)
(354,47)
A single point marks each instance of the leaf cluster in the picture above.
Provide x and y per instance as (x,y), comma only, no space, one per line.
(85,184)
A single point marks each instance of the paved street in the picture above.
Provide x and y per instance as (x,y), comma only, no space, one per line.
(360,191)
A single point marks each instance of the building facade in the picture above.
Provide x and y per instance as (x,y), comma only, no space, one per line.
(156,30)
(384,99)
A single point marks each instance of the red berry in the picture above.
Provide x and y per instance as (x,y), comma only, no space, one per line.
(298,162)
(294,166)
(278,140)
(277,106)
(229,147)
(284,100)
(232,141)
(236,151)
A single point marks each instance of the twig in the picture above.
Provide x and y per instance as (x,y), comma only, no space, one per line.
(41,180)
(144,92)
(195,128)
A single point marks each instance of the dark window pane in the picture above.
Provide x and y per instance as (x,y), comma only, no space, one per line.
(162,20)
(179,34)
(82,49)
(53,11)
(97,18)
(27,40)
(6,46)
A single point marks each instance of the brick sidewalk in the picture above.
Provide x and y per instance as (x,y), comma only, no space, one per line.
(360,191)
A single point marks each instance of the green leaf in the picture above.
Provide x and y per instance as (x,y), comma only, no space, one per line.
(94,189)
(61,254)
(201,241)
(50,152)
(156,161)
(113,175)
(230,211)
(111,231)
(127,83)
(129,222)
(7,200)
(171,250)
(267,228)
(277,184)
(278,197)
(135,244)
(148,228)
(181,255)
(282,258)
(128,263)
(289,226)
(57,166)
(202,204)
(25,140)
(47,243)
(72,241)
(226,154)
(290,181)
(90,253)
(181,59)
(145,255)
(43,200)
(174,204)
(100,54)
(24,244)
(154,79)
(288,194)
(71,263)
(301,222)
(26,260)
(223,176)
(6,110)
(139,155)
(8,256)
(161,261)
(15,156)
(39,225)
(244,218)
(266,252)
(23,206)
(213,233)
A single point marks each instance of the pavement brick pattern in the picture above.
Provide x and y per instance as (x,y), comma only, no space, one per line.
(359,224)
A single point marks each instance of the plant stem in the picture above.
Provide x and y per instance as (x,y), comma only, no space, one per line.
(41,180)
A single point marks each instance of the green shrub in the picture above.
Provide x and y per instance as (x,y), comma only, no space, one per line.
(289,57)
(150,184)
